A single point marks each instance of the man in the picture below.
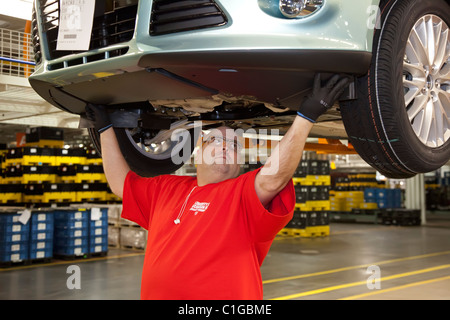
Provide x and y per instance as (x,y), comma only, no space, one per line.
(208,235)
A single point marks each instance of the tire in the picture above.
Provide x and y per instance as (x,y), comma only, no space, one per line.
(389,134)
(150,164)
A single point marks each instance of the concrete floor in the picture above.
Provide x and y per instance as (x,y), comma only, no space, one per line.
(413,263)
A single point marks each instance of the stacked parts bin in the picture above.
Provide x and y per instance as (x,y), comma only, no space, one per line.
(41,235)
(81,232)
(14,238)
(312,190)
(38,235)
(98,231)
(71,233)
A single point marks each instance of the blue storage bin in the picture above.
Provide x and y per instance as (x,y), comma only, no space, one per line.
(41,226)
(73,223)
(42,222)
(71,232)
(13,246)
(383,204)
(10,222)
(99,231)
(41,249)
(97,248)
(98,240)
(16,256)
(12,236)
(8,218)
(41,253)
(70,250)
(44,216)
(14,231)
(370,193)
(397,198)
(42,235)
(41,245)
(383,194)
(71,241)
(13,251)
(98,223)
(68,215)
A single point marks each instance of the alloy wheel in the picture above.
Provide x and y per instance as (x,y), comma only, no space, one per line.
(426,80)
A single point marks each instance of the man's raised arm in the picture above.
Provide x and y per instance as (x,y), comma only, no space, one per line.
(114,164)
(281,165)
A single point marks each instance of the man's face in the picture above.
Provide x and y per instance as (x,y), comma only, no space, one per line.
(220,151)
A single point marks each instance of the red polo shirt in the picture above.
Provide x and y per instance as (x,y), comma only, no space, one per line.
(220,242)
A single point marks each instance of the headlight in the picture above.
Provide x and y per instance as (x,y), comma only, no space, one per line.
(299,8)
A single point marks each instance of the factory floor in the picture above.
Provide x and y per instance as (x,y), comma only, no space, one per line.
(356,261)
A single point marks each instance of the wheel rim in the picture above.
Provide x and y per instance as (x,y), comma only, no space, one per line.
(158,147)
(426,80)
(165,144)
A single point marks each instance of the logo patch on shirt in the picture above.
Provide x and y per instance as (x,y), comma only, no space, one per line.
(199,206)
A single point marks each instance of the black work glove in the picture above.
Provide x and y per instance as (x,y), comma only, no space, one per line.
(322,98)
(100,117)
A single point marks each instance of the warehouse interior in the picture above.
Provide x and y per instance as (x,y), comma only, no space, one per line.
(355,234)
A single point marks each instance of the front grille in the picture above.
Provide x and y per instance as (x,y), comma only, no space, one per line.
(35,41)
(169,16)
(112,27)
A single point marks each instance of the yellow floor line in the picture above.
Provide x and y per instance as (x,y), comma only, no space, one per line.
(62,262)
(358,283)
(374,292)
(307,275)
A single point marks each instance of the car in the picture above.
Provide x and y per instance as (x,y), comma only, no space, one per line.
(160,66)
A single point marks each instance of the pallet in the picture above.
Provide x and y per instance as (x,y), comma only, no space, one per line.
(291,232)
(322,205)
(13,264)
(41,260)
(71,256)
(308,232)
(317,231)
(38,178)
(98,254)
(46,144)
(10,198)
(311,180)
(127,247)
(285,232)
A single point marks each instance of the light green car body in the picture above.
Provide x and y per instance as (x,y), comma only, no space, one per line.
(252,26)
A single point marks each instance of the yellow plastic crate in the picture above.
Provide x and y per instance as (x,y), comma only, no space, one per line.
(31,160)
(38,178)
(313,180)
(317,231)
(33,198)
(10,198)
(46,144)
(59,197)
(69,160)
(91,196)
(90,177)
(369,205)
